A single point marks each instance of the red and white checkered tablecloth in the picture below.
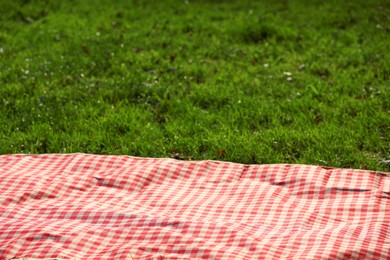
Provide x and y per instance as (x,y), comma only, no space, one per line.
(119,207)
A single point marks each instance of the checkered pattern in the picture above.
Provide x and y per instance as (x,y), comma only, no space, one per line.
(119,207)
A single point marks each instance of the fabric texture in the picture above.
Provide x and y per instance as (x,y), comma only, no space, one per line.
(119,207)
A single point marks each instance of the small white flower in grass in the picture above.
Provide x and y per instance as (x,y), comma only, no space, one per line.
(289,79)
(266,65)
(287,73)
(385,162)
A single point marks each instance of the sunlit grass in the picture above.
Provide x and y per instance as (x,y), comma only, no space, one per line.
(242,81)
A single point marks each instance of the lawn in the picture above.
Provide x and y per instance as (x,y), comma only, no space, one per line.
(242,81)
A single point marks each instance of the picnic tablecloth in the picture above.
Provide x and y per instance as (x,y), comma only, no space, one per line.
(119,207)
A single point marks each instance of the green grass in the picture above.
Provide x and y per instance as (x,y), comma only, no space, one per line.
(242,81)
